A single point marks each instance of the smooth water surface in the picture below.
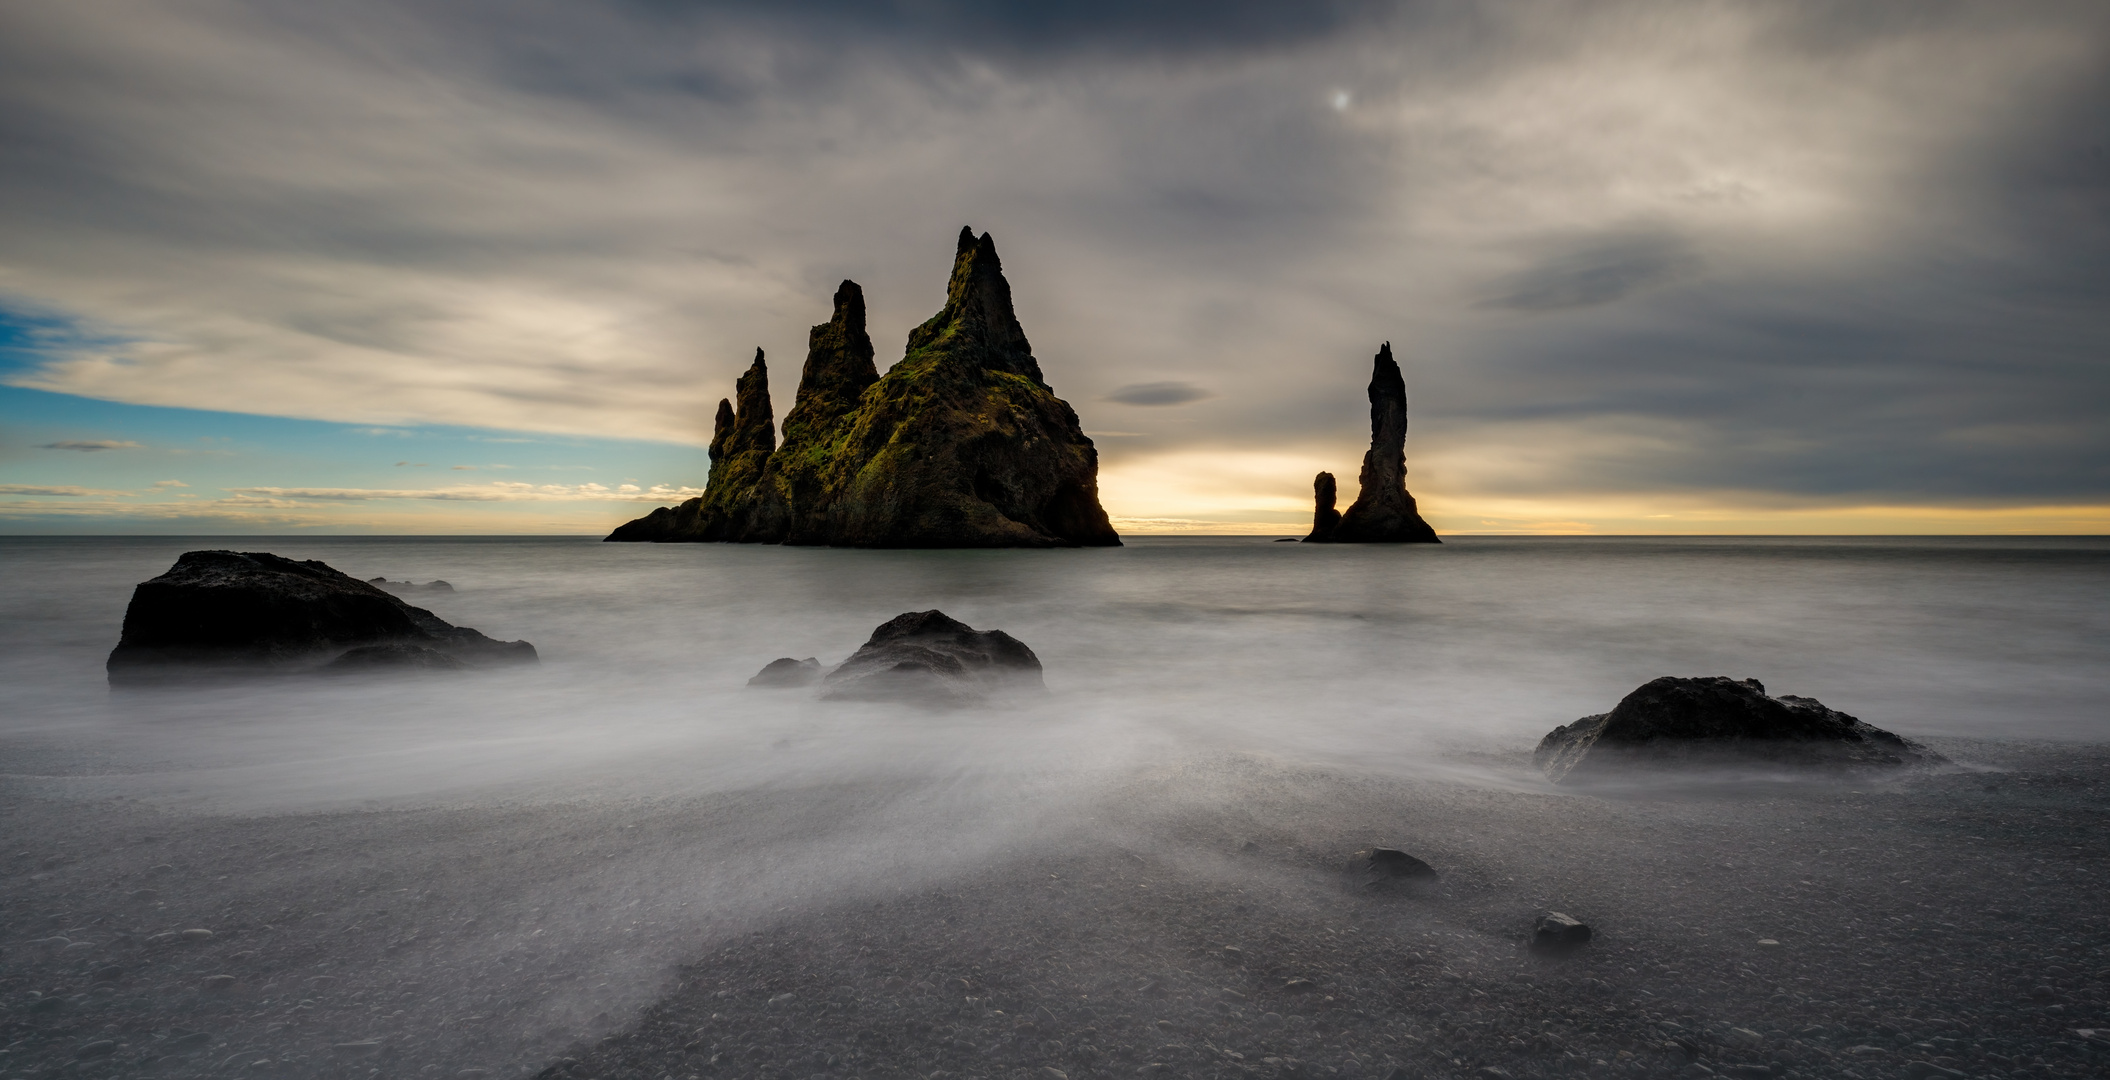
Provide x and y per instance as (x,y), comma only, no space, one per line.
(1390,659)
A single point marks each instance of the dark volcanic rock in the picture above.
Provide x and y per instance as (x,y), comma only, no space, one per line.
(961,444)
(927,656)
(1558,933)
(1383,512)
(787,672)
(1324,518)
(1718,721)
(228,611)
(394,656)
(1381,868)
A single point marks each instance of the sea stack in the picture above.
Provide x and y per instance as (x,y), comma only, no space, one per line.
(1383,511)
(960,444)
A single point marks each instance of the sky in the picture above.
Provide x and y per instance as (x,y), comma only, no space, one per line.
(487,266)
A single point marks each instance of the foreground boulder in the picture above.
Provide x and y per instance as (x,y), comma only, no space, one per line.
(1717,722)
(1556,933)
(785,673)
(1379,869)
(929,657)
(231,612)
(962,443)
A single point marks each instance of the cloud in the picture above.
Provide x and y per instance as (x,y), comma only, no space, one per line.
(463,468)
(71,492)
(1597,271)
(170,484)
(1806,251)
(1158,393)
(91,445)
(497,491)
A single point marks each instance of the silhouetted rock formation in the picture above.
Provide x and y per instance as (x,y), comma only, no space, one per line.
(961,444)
(929,657)
(1324,518)
(234,612)
(786,673)
(1383,512)
(1715,722)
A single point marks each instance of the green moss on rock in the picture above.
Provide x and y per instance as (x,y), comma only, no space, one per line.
(960,444)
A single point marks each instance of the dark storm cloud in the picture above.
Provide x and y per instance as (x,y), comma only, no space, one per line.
(1597,271)
(1807,251)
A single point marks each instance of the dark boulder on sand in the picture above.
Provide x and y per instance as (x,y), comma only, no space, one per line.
(1387,868)
(785,672)
(1718,722)
(232,612)
(1557,933)
(927,656)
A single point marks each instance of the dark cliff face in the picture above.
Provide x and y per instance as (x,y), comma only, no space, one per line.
(1383,512)
(961,444)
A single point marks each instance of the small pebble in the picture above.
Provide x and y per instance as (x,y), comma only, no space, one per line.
(198,934)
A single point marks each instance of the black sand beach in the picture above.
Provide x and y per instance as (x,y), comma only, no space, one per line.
(1186,921)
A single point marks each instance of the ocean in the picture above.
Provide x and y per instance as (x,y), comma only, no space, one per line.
(1391,660)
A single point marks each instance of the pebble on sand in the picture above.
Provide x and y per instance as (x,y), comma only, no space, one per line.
(1555,933)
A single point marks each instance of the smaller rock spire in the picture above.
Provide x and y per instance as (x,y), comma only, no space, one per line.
(1324,518)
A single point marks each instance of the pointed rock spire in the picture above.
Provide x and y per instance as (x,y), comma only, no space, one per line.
(1383,512)
(977,325)
(838,369)
(754,424)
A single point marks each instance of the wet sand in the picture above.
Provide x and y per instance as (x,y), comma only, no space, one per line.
(1180,921)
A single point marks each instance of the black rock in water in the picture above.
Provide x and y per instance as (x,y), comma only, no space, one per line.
(786,672)
(1716,722)
(1383,512)
(1324,518)
(248,612)
(410,586)
(1380,868)
(928,656)
(1558,933)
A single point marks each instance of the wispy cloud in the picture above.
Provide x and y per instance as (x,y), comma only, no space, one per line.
(69,492)
(497,491)
(170,484)
(91,445)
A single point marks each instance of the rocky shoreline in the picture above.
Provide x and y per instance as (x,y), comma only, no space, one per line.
(1191,921)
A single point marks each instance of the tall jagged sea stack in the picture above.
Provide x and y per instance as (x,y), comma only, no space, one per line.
(1383,511)
(960,444)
